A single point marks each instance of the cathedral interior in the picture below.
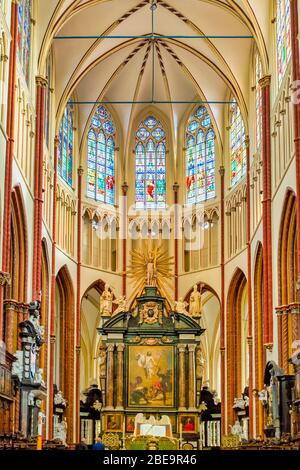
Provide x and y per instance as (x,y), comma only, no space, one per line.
(149,224)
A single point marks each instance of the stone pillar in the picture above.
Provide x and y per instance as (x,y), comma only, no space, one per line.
(192,377)
(222,306)
(120,376)
(124,237)
(110,377)
(181,377)
(176,237)
(267,212)
(78,301)
(296,78)
(249,285)
(10,131)
(41,84)
(11,327)
(52,303)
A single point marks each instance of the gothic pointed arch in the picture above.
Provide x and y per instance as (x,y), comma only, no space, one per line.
(19,249)
(259,352)
(235,341)
(200,157)
(150,164)
(65,343)
(288,323)
(101,148)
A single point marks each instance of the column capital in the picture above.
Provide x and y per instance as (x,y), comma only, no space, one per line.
(52,339)
(80,171)
(56,141)
(5,279)
(41,81)
(191,348)
(247,141)
(110,347)
(265,81)
(124,188)
(181,348)
(222,170)
(175,187)
(120,347)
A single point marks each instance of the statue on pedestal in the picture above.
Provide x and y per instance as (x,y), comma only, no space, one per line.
(151,272)
(102,361)
(236,429)
(195,309)
(106,301)
(61,431)
(180,306)
(122,305)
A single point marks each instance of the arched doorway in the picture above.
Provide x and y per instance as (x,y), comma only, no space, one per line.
(237,360)
(64,370)
(288,318)
(44,306)
(259,338)
(90,308)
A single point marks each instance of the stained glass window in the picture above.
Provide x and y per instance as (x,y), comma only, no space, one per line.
(150,155)
(200,157)
(65,147)
(283,33)
(237,144)
(258,100)
(101,157)
(24,36)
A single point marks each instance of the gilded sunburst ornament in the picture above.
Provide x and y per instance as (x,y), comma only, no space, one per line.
(151,267)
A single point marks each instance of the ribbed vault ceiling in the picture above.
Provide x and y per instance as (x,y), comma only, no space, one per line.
(122,69)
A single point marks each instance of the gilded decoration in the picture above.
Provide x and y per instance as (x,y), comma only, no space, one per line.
(151,314)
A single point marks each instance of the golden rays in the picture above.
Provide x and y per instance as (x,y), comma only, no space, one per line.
(163,263)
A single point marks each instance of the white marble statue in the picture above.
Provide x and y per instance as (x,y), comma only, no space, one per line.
(61,431)
(195,309)
(59,399)
(122,305)
(106,301)
(180,306)
(236,429)
(17,367)
(263,396)
(38,377)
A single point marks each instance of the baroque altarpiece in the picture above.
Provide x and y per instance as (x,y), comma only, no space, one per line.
(148,365)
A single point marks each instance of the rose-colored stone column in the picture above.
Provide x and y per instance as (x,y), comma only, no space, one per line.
(10,130)
(222,306)
(78,301)
(52,304)
(249,285)
(41,84)
(266,217)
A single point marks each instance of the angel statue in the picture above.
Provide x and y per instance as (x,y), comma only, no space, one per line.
(180,306)
(122,305)
(106,301)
